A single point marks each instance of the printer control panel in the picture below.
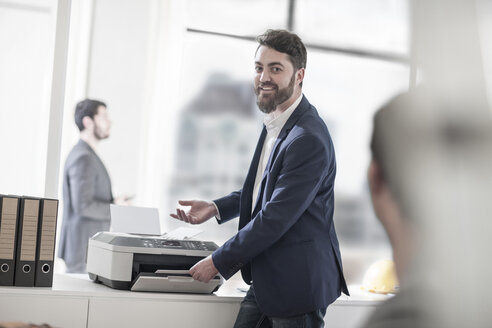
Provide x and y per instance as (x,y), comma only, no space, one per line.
(181,244)
(197,245)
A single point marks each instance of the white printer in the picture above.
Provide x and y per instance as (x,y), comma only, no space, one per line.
(148,263)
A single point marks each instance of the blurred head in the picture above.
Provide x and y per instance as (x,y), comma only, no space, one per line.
(389,148)
(431,188)
(92,117)
(280,61)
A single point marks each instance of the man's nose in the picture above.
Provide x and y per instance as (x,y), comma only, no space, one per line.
(264,76)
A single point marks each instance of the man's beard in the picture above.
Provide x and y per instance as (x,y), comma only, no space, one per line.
(99,134)
(269,103)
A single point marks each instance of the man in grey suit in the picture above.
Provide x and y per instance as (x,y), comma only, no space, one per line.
(86,186)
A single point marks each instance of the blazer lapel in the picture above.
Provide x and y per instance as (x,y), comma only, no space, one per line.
(294,117)
(247,192)
(259,197)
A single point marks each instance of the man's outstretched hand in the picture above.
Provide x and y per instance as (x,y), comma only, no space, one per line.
(199,212)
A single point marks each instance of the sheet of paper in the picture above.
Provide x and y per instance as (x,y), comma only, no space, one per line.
(181,233)
(135,220)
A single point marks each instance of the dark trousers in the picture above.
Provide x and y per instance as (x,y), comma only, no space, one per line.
(250,316)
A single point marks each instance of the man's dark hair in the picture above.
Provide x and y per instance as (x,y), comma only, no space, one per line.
(86,107)
(285,42)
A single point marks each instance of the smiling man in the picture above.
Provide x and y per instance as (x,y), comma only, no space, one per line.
(286,247)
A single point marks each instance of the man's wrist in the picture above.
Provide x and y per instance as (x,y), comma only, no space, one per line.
(217,213)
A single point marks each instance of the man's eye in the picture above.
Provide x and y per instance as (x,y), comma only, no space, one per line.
(276,69)
(258,69)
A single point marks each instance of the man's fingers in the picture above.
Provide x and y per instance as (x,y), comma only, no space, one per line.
(185,202)
(201,272)
(182,215)
(198,276)
(187,217)
(193,271)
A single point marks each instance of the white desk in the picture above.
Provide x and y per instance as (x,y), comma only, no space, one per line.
(75,301)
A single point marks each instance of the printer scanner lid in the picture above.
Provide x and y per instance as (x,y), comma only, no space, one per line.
(129,243)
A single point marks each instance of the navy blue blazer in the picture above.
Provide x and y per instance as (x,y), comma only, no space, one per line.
(288,246)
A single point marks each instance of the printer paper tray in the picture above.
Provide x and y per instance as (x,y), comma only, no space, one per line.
(173,281)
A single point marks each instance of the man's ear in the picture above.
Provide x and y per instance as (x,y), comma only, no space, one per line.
(375,177)
(87,122)
(300,75)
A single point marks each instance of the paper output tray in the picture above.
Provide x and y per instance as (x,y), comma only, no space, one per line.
(173,281)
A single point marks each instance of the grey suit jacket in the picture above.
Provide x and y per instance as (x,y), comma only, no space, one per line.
(86,198)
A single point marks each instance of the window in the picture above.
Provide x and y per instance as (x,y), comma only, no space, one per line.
(357,60)
(218,125)
(26,62)
(237,17)
(377,25)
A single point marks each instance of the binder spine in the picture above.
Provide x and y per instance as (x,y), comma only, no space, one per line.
(8,235)
(26,242)
(45,250)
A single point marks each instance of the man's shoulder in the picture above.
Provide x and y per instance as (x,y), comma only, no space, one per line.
(310,123)
(308,114)
(80,152)
(398,311)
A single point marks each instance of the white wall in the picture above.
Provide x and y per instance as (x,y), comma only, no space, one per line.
(120,53)
(126,53)
(116,75)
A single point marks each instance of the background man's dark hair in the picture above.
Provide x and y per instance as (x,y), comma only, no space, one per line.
(86,107)
(285,42)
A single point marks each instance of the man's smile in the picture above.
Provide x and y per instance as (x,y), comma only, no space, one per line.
(267,88)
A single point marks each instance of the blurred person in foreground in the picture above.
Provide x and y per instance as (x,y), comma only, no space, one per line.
(22,325)
(429,159)
(86,186)
(286,247)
